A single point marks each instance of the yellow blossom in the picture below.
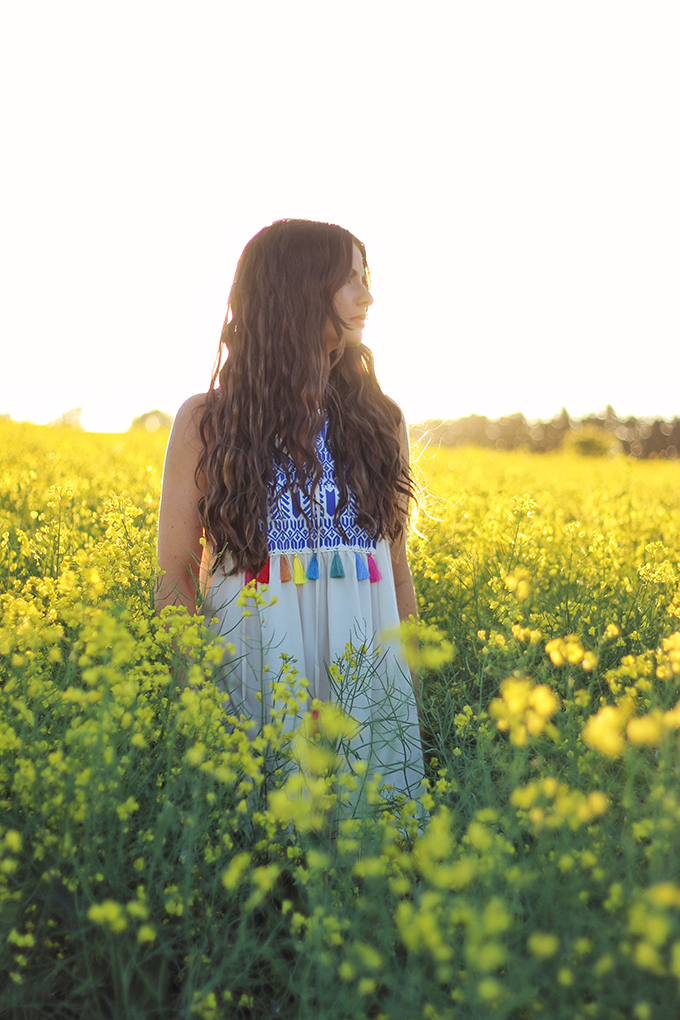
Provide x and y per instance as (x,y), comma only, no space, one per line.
(647,729)
(109,914)
(604,732)
(238,867)
(543,945)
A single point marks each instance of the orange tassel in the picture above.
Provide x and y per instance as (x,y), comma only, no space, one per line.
(285,573)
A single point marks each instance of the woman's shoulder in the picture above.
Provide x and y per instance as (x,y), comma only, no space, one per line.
(186,425)
(192,404)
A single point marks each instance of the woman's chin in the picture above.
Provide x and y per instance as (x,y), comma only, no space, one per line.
(354,339)
(350,340)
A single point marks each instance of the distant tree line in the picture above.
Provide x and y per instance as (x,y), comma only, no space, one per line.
(603,434)
(152,421)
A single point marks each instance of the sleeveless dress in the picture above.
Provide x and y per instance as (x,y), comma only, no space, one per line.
(334,619)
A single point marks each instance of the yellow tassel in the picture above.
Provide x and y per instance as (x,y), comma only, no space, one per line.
(299,575)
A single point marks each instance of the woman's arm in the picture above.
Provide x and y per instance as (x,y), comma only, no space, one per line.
(406,600)
(179,526)
(403,581)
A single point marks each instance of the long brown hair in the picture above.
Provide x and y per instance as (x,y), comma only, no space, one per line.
(272,376)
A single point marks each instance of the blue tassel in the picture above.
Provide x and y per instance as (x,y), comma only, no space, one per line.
(313,569)
(362,569)
(336,567)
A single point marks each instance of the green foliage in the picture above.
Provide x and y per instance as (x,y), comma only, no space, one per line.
(591,441)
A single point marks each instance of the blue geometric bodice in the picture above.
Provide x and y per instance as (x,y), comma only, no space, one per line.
(288,529)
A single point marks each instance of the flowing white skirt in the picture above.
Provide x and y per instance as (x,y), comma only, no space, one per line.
(342,635)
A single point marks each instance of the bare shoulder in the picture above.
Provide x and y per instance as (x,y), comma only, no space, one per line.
(185,428)
(192,409)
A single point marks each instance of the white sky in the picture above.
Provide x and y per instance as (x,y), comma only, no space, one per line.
(512,167)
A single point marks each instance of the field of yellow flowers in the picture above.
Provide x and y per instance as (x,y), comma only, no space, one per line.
(161,858)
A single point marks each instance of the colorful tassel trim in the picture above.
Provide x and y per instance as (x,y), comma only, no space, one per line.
(362,569)
(336,567)
(298,571)
(285,574)
(365,571)
(262,577)
(373,571)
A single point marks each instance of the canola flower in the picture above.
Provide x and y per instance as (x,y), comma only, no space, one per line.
(162,853)
(524,709)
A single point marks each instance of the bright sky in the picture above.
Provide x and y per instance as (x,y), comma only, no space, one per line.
(512,168)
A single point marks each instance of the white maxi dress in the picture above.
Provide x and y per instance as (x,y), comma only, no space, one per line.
(334,620)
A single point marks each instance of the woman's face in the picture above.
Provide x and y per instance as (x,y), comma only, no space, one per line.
(351,303)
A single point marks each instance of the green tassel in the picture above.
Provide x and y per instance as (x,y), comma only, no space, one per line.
(336,567)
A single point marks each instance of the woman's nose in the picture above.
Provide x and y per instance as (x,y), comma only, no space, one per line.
(366,298)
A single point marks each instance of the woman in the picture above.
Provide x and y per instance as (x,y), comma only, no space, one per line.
(292,473)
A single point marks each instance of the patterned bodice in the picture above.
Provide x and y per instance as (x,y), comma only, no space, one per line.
(287,527)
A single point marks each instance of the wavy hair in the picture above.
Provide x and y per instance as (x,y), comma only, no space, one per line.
(272,375)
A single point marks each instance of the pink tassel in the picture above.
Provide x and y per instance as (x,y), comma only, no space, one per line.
(373,572)
(262,577)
